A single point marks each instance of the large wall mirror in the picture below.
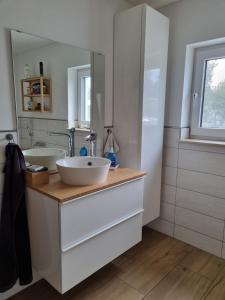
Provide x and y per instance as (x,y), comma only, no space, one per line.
(57,87)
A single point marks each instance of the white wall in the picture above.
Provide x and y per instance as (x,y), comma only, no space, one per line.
(190,21)
(84,23)
(56,58)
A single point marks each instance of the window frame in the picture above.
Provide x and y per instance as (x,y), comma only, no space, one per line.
(81,73)
(201,56)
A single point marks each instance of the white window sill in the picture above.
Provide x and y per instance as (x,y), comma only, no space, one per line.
(203,142)
(82,129)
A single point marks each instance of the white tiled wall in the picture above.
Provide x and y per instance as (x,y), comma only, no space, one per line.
(193,193)
(41,128)
(198,240)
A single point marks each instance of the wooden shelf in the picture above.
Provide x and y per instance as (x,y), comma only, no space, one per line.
(31,79)
(44,101)
(36,95)
(35,110)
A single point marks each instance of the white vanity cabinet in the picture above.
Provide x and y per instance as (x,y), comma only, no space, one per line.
(73,239)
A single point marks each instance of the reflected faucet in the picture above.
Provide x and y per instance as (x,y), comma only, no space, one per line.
(92,138)
(29,130)
(71,139)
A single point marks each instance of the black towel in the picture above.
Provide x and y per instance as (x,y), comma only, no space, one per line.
(15,257)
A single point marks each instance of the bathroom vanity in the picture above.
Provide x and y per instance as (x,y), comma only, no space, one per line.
(74,231)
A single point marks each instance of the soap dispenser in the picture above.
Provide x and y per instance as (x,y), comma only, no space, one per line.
(111,155)
(83,151)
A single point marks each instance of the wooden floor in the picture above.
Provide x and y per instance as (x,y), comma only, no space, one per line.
(156,269)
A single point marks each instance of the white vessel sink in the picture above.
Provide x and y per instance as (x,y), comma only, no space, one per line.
(83,170)
(44,156)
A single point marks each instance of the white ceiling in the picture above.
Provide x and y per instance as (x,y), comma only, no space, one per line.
(153,3)
(22,42)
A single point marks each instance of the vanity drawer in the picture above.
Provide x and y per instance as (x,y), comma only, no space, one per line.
(88,257)
(88,216)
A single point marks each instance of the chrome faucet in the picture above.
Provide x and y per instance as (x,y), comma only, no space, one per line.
(92,138)
(29,130)
(71,139)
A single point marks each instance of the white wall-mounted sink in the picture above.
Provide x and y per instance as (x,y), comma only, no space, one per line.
(83,170)
(44,156)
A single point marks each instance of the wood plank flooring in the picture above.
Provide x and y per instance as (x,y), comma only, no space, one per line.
(158,268)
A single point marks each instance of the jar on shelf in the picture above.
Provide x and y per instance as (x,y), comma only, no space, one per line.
(27,71)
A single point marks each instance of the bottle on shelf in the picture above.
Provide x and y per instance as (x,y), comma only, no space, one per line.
(27,71)
(41,68)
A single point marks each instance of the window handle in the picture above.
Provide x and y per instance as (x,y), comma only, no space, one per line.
(195,96)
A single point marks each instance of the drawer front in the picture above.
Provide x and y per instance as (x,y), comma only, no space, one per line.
(84,218)
(88,257)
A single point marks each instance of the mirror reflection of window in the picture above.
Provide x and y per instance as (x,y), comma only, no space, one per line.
(84,97)
(79,95)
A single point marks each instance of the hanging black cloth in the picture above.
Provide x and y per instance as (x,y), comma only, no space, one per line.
(15,258)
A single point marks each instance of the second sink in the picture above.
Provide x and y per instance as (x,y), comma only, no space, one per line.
(46,157)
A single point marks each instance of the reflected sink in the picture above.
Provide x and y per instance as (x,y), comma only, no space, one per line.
(44,156)
(83,170)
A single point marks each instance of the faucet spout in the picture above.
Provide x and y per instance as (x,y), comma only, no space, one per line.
(92,138)
(71,139)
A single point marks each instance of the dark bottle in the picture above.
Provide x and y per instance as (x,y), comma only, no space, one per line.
(41,68)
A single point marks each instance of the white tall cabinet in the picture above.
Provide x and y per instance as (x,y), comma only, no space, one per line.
(140,65)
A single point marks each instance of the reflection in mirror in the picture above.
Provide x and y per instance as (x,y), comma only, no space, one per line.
(57,87)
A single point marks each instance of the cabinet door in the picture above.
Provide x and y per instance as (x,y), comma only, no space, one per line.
(154,86)
(139,95)
(83,218)
(127,70)
(88,257)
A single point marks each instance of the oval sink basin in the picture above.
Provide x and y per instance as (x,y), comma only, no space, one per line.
(44,156)
(83,170)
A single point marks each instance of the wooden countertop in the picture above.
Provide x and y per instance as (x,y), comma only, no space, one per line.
(62,192)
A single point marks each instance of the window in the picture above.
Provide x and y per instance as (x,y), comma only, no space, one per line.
(208,104)
(84,97)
